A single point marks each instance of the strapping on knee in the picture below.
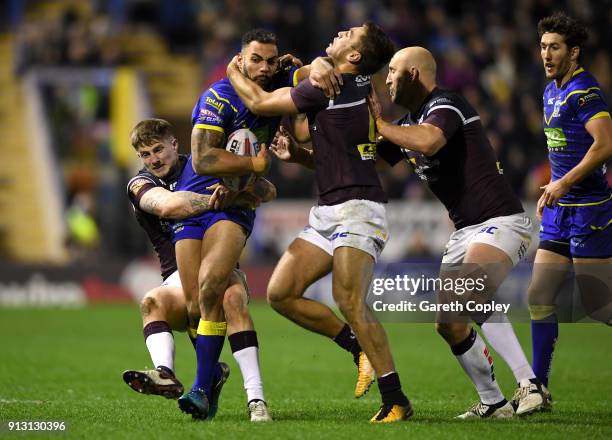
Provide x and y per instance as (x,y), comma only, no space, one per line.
(147,305)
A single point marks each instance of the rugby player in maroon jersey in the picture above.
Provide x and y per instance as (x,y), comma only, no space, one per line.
(348,227)
(443,139)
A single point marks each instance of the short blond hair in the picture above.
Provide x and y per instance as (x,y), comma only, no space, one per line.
(150,131)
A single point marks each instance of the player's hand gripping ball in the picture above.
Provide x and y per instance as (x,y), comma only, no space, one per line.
(242,142)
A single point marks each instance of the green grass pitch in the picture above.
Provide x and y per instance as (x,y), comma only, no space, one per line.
(67,364)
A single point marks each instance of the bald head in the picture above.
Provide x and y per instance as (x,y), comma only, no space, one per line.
(412,76)
(419,58)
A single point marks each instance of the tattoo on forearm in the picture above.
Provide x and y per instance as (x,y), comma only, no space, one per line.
(201,142)
(194,203)
(199,203)
(209,159)
(264,190)
(150,205)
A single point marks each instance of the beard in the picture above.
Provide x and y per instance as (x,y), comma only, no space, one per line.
(265,84)
(562,68)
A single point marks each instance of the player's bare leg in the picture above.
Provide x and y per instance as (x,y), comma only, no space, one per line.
(489,263)
(352,275)
(301,265)
(167,304)
(163,310)
(467,345)
(550,271)
(220,249)
(245,347)
(188,258)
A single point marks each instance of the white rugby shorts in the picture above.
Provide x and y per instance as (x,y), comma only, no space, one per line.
(174,280)
(360,224)
(511,234)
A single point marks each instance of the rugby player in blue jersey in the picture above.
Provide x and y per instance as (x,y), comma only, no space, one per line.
(576,206)
(208,246)
(163,308)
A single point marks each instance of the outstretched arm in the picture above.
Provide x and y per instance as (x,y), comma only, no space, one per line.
(172,205)
(257,100)
(286,148)
(323,75)
(424,138)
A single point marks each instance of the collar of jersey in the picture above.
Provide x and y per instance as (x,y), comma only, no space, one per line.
(576,72)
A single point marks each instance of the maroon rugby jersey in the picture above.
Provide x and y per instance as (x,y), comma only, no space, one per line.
(464,174)
(158,230)
(343,141)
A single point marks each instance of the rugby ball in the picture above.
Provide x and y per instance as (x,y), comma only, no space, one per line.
(242,142)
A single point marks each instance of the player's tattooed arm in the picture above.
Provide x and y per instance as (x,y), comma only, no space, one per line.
(424,138)
(173,205)
(257,100)
(260,191)
(286,148)
(264,190)
(210,158)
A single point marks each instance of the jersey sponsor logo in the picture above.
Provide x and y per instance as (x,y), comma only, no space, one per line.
(555,138)
(206,116)
(166,226)
(362,80)
(488,230)
(425,168)
(587,98)
(215,104)
(367,151)
(440,101)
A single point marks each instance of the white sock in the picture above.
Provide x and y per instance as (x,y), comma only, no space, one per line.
(478,364)
(248,360)
(500,335)
(161,349)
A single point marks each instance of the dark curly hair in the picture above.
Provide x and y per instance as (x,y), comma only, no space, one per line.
(376,49)
(259,35)
(574,31)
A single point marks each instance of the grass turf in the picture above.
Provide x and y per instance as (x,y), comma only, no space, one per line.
(67,364)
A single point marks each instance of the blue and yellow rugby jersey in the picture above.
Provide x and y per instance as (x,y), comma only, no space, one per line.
(219,108)
(566,111)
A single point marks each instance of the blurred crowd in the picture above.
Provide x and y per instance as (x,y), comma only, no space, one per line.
(486,49)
